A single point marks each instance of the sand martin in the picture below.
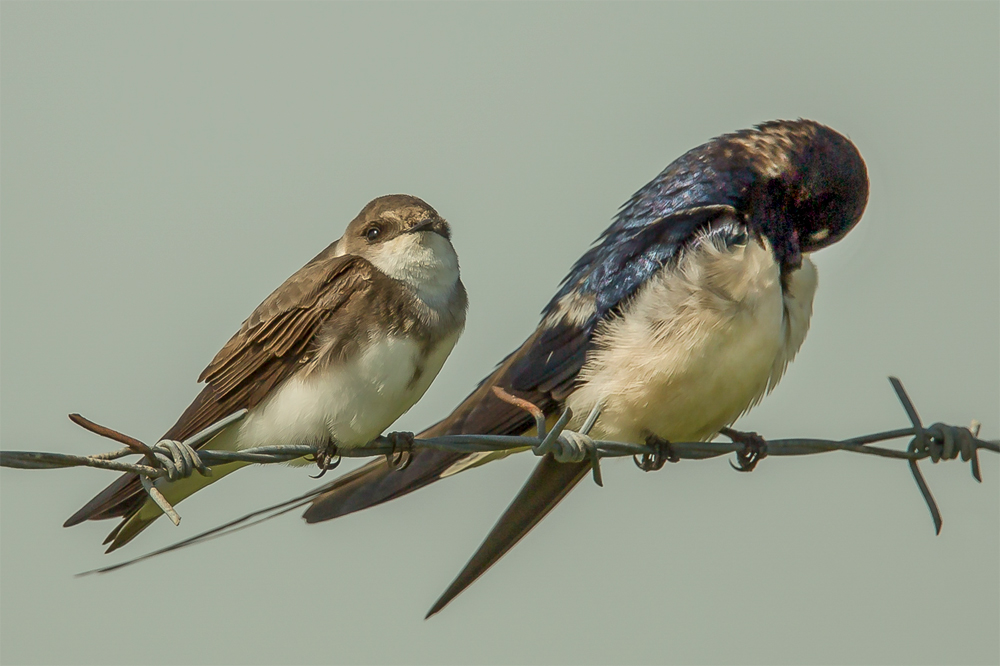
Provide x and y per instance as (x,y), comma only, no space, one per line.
(331,358)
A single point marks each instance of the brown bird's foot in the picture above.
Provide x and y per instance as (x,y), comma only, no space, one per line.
(661,454)
(754,449)
(327,459)
(402,444)
(178,459)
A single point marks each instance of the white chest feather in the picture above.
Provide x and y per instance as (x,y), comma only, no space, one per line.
(348,403)
(699,345)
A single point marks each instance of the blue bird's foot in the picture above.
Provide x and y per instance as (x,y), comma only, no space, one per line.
(661,453)
(754,449)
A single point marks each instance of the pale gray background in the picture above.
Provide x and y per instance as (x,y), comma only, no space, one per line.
(164,166)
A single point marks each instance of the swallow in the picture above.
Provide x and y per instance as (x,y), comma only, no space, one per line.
(331,358)
(681,317)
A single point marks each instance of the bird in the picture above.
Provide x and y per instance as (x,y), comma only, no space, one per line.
(331,358)
(682,316)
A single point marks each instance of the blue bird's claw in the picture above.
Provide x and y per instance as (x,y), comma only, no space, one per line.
(660,454)
(754,449)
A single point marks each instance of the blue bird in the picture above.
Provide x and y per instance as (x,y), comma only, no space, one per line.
(679,319)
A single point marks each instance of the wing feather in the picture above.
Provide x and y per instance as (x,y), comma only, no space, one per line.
(269,346)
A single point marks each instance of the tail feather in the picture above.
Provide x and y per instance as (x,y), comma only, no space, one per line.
(126,530)
(376,483)
(547,485)
(124,496)
(112,502)
(174,492)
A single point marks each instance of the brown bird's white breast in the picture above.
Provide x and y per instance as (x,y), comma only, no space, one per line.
(700,344)
(349,403)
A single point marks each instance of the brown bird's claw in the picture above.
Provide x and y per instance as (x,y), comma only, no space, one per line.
(402,443)
(326,459)
(754,449)
(661,453)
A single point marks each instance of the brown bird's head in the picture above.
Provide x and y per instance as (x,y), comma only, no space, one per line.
(407,240)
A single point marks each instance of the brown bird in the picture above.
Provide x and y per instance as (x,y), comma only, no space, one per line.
(331,358)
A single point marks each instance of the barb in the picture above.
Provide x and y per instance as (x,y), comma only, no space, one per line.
(529,407)
(132,443)
(937,442)
(167,459)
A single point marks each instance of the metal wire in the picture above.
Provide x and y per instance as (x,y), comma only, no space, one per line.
(937,442)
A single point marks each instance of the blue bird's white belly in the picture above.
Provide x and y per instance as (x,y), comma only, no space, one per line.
(700,344)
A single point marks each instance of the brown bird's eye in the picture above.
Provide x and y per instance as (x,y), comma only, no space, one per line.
(372,234)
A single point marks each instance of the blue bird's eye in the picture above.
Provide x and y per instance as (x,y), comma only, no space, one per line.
(738,237)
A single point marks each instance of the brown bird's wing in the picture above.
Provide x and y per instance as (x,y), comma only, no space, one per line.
(274,342)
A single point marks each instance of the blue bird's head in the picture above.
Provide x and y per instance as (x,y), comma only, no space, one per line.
(831,192)
(810,186)
(796,184)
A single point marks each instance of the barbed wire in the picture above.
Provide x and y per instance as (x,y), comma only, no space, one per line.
(171,460)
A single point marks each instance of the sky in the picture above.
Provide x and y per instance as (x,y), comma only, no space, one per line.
(164,166)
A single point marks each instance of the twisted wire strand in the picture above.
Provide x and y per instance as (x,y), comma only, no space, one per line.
(937,442)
